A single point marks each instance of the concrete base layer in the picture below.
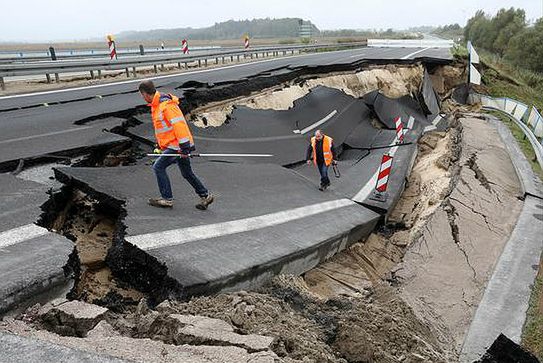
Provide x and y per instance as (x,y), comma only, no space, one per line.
(505,302)
(17,349)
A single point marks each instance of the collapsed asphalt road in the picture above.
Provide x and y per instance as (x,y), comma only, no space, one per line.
(231,248)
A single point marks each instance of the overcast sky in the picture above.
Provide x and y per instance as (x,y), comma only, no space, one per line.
(48,20)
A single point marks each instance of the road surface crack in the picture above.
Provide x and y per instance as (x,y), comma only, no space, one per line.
(485,218)
(452,214)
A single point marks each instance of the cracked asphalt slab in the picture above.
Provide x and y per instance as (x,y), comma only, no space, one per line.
(232,73)
(40,131)
(266,220)
(31,257)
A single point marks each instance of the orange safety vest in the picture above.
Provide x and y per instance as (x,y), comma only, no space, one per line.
(171,128)
(326,150)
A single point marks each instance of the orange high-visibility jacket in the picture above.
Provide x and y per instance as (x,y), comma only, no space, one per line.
(326,150)
(171,128)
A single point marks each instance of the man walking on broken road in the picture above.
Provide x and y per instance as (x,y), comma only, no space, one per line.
(173,137)
(322,153)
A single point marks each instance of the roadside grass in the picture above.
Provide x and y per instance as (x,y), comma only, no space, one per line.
(505,80)
(532,335)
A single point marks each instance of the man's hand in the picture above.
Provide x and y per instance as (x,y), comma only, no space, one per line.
(183,155)
(334,162)
(308,162)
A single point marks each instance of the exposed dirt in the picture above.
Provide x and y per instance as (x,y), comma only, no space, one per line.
(365,264)
(406,294)
(381,301)
(377,327)
(391,80)
(92,228)
(447,268)
(444,236)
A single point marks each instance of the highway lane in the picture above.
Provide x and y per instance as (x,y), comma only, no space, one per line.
(267,218)
(232,72)
(31,132)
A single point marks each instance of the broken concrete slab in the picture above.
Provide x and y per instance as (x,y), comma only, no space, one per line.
(73,318)
(200,330)
(103,330)
(20,349)
(503,307)
(42,346)
(464,238)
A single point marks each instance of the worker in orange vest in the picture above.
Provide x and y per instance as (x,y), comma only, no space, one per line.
(321,152)
(174,137)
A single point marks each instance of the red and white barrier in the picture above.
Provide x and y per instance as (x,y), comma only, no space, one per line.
(112,48)
(384,172)
(185,46)
(246,41)
(399,129)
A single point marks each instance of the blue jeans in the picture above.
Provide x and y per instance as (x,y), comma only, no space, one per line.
(323,170)
(164,186)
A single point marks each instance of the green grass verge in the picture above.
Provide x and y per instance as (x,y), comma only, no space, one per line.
(532,335)
(505,80)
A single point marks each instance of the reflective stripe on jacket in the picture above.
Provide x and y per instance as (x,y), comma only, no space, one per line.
(326,150)
(171,128)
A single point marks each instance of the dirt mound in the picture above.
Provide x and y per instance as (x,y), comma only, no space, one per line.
(378,327)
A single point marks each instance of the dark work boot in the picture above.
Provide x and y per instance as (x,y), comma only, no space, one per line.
(205,202)
(161,202)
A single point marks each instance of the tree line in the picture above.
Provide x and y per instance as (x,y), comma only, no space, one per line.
(509,35)
(232,29)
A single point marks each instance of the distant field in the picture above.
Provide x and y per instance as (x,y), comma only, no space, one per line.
(167,43)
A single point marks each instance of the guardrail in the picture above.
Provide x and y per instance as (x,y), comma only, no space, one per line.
(32,56)
(131,63)
(531,122)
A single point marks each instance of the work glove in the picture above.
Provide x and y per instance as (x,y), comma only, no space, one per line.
(183,154)
(308,162)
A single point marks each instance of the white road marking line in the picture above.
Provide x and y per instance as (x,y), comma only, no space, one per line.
(414,53)
(179,236)
(46,134)
(365,192)
(21,234)
(410,122)
(316,124)
(437,120)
